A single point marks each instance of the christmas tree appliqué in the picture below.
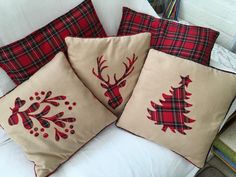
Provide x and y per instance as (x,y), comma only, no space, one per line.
(171,113)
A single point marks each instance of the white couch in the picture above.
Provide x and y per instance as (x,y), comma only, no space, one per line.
(114,152)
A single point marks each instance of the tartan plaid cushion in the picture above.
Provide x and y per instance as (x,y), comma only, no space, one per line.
(179,105)
(110,72)
(23,58)
(191,42)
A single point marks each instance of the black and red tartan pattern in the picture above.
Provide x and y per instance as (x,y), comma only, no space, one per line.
(41,103)
(113,94)
(172,113)
(190,42)
(23,58)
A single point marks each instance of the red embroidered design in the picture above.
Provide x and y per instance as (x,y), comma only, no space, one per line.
(172,113)
(33,113)
(113,90)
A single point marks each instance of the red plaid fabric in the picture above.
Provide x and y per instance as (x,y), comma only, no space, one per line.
(115,98)
(26,120)
(171,113)
(191,42)
(113,90)
(23,58)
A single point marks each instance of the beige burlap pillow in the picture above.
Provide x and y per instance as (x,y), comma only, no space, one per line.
(109,67)
(179,104)
(52,115)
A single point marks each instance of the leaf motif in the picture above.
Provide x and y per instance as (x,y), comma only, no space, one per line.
(19,103)
(56,135)
(33,107)
(49,93)
(70,119)
(52,103)
(44,112)
(13,119)
(59,135)
(58,98)
(44,123)
(63,135)
(55,117)
(60,124)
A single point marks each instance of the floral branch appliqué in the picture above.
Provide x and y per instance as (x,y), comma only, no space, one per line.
(63,126)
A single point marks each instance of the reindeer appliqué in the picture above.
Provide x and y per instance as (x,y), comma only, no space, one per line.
(113,90)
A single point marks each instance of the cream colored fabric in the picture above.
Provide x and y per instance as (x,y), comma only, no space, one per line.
(212,93)
(83,54)
(90,116)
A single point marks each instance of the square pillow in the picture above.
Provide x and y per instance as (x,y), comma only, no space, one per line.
(179,104)
(23,58)
(190,42)
(109,67)
(52,115)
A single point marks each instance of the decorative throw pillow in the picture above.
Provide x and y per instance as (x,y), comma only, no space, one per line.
(109,67)
(179,104)
(52,115)
(23,58)
(191,42)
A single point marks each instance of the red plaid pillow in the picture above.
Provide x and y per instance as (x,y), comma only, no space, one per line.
(190,42)
(23,58)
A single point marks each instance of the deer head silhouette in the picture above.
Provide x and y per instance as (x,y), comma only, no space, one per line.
(113,90)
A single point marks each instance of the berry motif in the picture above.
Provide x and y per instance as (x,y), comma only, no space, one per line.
(70,107)
(45,102)
(45,135)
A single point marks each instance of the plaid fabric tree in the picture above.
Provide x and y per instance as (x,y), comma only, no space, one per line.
(172,111)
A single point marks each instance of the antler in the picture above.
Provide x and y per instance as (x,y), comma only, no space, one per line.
(100,67)
(128,69)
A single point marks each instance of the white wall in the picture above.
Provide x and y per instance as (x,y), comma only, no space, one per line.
(216,14)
